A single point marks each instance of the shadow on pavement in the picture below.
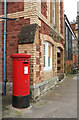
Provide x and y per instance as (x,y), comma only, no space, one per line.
(6,100)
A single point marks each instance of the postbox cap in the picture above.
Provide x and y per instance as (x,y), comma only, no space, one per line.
(20,55)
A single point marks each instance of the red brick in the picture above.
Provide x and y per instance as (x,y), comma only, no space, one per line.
(44,8)
(13,7)
(13,30)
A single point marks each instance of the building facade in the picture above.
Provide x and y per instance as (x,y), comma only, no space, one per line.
(78,28)
(75,42)
(39,32)
(71,48)
(75,27)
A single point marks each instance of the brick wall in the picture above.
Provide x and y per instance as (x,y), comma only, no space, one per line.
(13,30)
(37,73)
(61,19)
(44,29)
(44,8)
(13,7)
(57,15)
(29,49)
(68,65)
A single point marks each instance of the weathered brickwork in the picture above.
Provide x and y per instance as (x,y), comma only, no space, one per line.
(44,29)
(44,8)
(13,30)
(13,7)
(61,19)
(57,15)
(38,68)
(29,49)
(68,65)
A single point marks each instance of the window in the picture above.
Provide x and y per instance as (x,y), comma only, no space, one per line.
(58,61)
(47,56)
(49,10)
(53,12)
(58,54)
(58,68)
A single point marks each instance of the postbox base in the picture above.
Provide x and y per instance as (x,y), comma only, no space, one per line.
(21,101)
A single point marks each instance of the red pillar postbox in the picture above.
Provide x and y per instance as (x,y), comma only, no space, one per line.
(21,80)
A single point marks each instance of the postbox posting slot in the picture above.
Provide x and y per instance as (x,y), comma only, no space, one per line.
(25,62)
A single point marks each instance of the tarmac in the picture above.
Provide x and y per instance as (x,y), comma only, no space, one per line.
(59,102)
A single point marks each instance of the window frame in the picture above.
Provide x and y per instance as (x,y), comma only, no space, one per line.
(47,67)
(49,10)
(53,9)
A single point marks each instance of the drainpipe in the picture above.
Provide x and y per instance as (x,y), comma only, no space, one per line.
(5,33)
(78,28)
(78,39)
(65,45)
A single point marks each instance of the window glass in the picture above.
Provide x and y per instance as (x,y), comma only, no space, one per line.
(49,10)
(47,56)
(53,12)
(44,55)
(49,61)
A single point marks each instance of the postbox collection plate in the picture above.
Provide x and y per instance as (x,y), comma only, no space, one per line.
(25,69)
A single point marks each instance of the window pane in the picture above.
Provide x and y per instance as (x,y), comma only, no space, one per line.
(48,61)
(47,56)
(44,55)
(49,51)
(53,12)
(58,54)
(44,61)
(44,49)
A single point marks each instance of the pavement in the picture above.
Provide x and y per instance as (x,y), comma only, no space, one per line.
(59,102)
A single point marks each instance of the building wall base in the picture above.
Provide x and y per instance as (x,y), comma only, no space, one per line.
(40,89)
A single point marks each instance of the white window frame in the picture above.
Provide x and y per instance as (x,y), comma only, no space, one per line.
(47,68)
